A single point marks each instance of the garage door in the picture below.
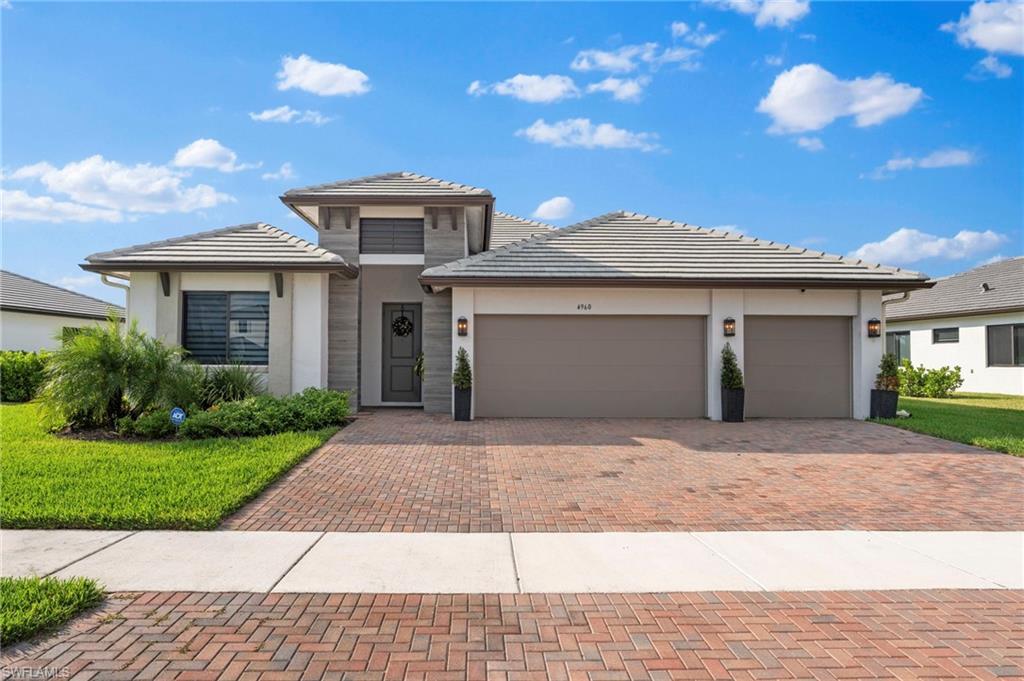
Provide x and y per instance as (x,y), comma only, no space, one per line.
(589,366)
(797,366)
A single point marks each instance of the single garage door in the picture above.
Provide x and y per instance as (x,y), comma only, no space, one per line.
(797,366)
(589,366)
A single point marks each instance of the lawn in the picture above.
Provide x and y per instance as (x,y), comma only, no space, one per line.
(991,421)
(33,605)
(56,482)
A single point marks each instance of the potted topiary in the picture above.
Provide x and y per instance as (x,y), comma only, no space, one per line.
(462,379)
(732,387)
(886,393)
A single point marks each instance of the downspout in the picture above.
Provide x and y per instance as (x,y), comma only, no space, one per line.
(105,278)
(903,296)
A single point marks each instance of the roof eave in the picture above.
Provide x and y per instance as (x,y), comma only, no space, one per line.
(955,315)
(346,270)
(63,313)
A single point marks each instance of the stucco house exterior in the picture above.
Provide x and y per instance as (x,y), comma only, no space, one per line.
(974,320)
(621,315)
(35,315)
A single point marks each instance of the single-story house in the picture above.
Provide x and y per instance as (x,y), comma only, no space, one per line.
(621,315)
(974,320)
(35,315)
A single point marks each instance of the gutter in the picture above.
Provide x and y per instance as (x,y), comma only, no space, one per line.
(442,282)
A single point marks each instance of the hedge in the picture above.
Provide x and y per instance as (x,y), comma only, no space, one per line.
(21,374)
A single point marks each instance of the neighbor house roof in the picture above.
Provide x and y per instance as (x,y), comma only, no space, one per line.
(623,248)
(390,188)
(508,229)
(23,294)
(997,287)
(253,247)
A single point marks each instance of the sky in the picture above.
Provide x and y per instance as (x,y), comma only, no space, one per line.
(887,131)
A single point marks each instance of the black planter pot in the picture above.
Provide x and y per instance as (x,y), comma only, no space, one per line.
(732,404)
(463,403)
(883,404)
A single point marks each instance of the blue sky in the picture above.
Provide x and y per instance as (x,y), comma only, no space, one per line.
(890,130)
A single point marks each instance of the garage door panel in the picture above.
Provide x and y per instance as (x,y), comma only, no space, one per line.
(610,403)
(586,352)
(592,377)
(558,327)
(813,351)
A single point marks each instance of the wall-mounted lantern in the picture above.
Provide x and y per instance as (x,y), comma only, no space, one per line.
(729,326)
(874,328)
(463,326)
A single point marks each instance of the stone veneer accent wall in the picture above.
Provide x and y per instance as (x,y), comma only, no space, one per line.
(342,238)
(441,244)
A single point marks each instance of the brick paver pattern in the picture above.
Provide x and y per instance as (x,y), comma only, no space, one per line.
(827,635)
(409,471)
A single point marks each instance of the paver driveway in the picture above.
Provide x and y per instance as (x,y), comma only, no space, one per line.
(410,471)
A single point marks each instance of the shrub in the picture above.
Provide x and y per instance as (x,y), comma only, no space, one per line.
(312,409)
(921,382)
(888,377)
(462,377)
(185,387)
(21,375)
(231,383)
(732,376)
(154,425)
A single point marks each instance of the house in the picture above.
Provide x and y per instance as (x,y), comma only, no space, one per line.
(621,315)
(974,320)
(35,315)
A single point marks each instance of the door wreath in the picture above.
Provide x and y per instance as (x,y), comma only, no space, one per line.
(401,326)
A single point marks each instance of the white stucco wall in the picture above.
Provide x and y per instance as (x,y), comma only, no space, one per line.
(381,284)
(970,353)
(30,331)
(309,331)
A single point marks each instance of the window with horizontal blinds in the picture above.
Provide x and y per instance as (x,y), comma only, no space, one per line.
(947,335)
(391,235)
(1005,344)
(227,327)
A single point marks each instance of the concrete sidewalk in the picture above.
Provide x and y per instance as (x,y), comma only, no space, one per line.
(520,562)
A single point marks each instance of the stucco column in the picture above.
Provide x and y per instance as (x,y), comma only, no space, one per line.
(867,352)
(463,305)
(168,310)
(279,380)
(309,331)
(143,303)
(724,303)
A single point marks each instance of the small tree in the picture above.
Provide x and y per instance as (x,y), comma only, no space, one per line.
(888,377)
(732,376)
(462,377)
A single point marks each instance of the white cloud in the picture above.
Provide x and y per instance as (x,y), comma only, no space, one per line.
(911,245)
(731,229)
(941,158)
(286,172)
(555,208)
(77,283)
(995,258)
(808,97)
(991,26)
(621,89)
(812,144)
(21,206)
(773,60)
(286,114)
(628,57)
(779,13)
(5,4)
(990,67)
(321,78)
(209,153)
(529,88)
(580,132)
(699,37)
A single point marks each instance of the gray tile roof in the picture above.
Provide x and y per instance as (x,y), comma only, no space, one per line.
(630,249)
(252,247)
(390,186)
(24,294)
(965,294)
(508,229)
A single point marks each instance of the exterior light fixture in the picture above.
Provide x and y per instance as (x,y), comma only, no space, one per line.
(729,326)
(462,326)
(874,328)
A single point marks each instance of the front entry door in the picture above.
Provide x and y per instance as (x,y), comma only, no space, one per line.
(403,340)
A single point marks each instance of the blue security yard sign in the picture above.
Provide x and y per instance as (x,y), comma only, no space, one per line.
(177,416)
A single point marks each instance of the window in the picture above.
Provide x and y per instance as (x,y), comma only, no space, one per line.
(951,335)
(1005,345)
(391,235)
(227,328)
(898,343)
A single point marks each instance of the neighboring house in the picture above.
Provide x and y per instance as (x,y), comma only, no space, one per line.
(622,315)
(974,320)
(35,315)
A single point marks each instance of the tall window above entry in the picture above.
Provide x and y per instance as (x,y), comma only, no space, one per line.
(384,236)
(227,327)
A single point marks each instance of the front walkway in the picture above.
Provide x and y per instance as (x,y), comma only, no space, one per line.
(406,471)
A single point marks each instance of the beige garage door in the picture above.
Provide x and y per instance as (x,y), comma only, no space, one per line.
(797,366)
(589,366)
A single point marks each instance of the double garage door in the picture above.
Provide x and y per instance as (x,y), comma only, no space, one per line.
(654,366)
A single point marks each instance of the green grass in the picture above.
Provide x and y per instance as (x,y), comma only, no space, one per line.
(991,421)
(33,605)
(56,482)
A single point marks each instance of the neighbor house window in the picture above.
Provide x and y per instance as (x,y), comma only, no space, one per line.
(951,335)
(898,343)
(227,328)
(383,236)
(1005,345)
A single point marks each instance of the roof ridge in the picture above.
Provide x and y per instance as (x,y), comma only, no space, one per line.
(522,219)
(61,288)
(416,177)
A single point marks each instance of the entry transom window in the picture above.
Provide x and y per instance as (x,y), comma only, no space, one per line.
(385,236)
(898,343)
(1005,345)
(951,335)
(227,327)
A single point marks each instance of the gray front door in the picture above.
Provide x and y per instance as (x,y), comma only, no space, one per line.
(403,340)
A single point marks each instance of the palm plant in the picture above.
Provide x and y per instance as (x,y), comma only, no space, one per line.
(231,383)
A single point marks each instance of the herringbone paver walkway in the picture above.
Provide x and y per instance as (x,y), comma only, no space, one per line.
(830,635)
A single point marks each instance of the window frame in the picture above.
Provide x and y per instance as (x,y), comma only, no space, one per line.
(936,331)
(1012,326)
(897,334)
(228,360)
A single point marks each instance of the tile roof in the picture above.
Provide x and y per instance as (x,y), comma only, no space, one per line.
(623,248)
(965,293)
(24,294)
(252,247)
(401,185)
(508,229)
